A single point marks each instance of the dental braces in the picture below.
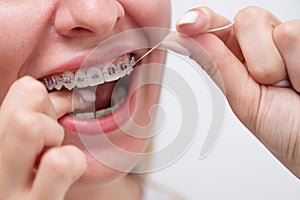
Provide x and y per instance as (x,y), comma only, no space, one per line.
(111,70)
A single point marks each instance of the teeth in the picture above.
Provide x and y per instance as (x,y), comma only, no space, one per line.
(104,112)
(50,87)
(93,76)
(117,102)
(131,63)
(59,83)
(98,114)
(48,84)
(126,59)
(80,79)
(68,80)
(129,71)
(123,68)
(110,73)
(85,115)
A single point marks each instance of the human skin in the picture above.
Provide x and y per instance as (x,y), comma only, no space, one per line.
(38,36)
(253,62)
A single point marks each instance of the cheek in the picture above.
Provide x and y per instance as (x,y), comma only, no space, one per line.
(19,34)
(153,13)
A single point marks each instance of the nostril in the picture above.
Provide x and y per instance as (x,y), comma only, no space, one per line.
(79,31)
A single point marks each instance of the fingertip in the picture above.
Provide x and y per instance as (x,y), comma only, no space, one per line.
(189,17)
(56,160)
(60,167)
(283,83)
(62,102)
(79,156)
(193,22)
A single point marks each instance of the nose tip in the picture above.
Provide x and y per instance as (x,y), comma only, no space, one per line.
(80,17)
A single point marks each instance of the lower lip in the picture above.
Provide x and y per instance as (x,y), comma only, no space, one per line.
(105,124)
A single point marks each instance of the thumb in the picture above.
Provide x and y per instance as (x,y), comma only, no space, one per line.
(66,101)
(62,102)
(231,76)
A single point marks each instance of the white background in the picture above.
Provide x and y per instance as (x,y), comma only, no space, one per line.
(239,167)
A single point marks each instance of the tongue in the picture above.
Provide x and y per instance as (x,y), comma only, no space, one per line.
(103,94)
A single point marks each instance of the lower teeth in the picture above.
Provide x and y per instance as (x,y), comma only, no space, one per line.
(118,99)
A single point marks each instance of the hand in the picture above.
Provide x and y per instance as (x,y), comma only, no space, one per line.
(250,62)
(28,117)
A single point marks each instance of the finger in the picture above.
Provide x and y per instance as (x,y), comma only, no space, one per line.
(59,169)
(65,102)
(287,40)
(254,31)
(28,134)
(202,19)
(25,129)
(62,102)
(30,94)
(225,69)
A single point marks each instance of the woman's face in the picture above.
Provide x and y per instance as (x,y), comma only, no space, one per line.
(43,38)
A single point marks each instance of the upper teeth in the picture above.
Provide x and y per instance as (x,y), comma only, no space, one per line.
(92,76)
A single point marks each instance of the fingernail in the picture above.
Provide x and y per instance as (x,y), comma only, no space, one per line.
(176,47)
(283,83)
(188,18)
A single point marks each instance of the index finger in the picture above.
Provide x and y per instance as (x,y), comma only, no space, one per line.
(65,101)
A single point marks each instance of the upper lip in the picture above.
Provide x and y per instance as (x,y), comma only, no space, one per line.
(86,60)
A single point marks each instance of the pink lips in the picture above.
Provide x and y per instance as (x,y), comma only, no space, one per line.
(82,61)
(108,123)
(103,125)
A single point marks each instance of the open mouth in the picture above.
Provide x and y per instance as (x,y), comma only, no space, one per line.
(102,88)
